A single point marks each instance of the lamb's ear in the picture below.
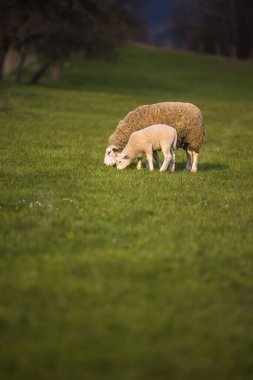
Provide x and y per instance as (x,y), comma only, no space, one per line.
(126,157)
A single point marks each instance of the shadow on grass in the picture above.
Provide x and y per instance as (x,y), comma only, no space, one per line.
(202,167)
(209,166)
(180,166)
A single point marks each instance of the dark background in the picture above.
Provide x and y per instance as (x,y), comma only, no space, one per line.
(54,31)
(158,16)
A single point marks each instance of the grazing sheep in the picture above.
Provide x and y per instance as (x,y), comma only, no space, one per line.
(144,142)
(186,118)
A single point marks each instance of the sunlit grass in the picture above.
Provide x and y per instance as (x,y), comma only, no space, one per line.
(109,274)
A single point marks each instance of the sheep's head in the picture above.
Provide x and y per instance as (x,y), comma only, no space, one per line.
(111,154)
(123,161)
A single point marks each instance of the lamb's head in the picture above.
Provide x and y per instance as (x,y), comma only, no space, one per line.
(111,154)
(123,161)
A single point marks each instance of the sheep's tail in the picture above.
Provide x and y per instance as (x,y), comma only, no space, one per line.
(175,141)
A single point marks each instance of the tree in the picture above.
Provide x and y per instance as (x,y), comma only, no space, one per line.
(55,29)
(244,22)
(217,26)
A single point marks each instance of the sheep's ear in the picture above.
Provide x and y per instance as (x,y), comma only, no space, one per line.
(126,157)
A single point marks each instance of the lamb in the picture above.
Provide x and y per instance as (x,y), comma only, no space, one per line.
(144,142)
(186,118)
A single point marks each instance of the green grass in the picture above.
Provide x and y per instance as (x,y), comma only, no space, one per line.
(128,275)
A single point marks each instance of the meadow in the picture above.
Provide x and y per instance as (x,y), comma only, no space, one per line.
(126,275)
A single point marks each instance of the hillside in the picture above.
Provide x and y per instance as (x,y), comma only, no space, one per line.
(126,275)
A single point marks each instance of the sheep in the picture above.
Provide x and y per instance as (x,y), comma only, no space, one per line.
(186,118)
(153,138)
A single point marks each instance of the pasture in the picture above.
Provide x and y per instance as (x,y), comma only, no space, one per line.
(126,275)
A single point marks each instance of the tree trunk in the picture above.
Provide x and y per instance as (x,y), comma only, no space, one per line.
(243,43)
(4,45)
(55,72)
(20,66)
(39,73)
(3,51)
(2,57)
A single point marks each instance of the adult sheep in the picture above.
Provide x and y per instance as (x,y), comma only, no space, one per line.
(186,118)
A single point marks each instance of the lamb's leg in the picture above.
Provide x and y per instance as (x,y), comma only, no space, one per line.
(149,155)
(195,162)
(139,163)
(167,158)
(172,161)
(189,159)
(157,159)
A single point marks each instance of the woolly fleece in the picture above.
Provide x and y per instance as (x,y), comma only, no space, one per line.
(186,118)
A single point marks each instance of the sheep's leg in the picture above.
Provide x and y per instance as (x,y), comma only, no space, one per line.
(195,162)
(157,159)
(189,159)
(149,155)
(139,164)
(150,162)
(167,158)
(172,161)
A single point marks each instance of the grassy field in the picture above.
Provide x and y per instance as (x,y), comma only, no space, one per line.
(126,275)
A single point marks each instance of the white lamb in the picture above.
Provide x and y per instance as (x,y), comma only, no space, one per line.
(144,142)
